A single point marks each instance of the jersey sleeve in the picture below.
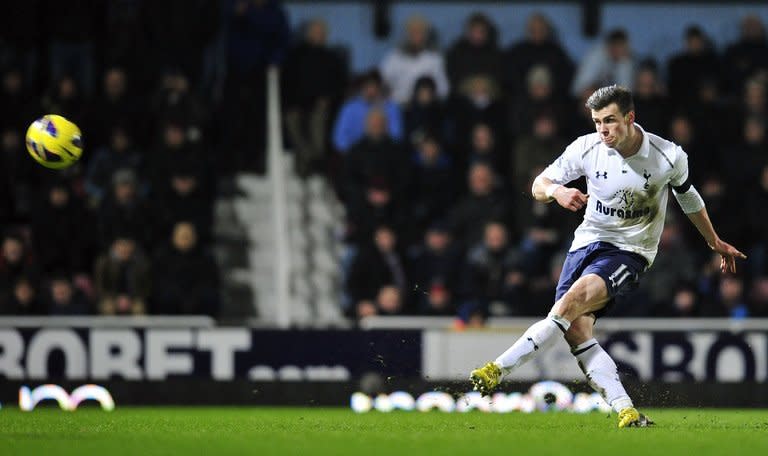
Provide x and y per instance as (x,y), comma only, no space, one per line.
(568,166)
(680,168)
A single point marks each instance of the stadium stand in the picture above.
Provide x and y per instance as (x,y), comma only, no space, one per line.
(408,183)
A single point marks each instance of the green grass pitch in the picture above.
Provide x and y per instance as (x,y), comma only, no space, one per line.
(239,431)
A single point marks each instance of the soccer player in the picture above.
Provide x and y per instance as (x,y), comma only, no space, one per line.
(628,171)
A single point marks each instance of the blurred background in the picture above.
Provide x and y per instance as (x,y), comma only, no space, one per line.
(332,191)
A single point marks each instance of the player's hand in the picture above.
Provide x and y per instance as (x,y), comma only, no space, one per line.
(728,255)
(570,198)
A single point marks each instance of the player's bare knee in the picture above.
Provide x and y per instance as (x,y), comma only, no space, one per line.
(580,330)
(570,305)
(587,295)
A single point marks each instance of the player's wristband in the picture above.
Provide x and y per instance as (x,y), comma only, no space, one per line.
(549,192)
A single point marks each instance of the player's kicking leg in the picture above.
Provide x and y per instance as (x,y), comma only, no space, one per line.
(587,295)
(601,371)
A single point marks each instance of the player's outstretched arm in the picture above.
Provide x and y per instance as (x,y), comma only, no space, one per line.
(545,190)
(728,253)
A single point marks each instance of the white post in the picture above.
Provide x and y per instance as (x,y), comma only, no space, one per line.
(276,170)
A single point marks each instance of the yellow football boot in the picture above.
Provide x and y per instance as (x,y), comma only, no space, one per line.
(486,379)
(630,417)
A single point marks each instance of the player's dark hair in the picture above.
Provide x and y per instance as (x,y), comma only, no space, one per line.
(604,96)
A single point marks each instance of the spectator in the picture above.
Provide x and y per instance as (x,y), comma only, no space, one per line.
(19,104)
(120,153)
(708,282)
(697,63)
(66,299)
(755,101)
(389,300)
(178,31)
(117,107)
(124,211)
(175,149)
(74,28)
(426,113)
(492,275)
(539,291)
(439,301)
(685,303)
(748,55)
(403,66)
(21,173)
(257,37)
(16,261)
(64,98)
(434,190)
(311,96)
(539,48)
(674,264)
(376,266)
(731,302)
(185,276)
(650,97)
(435,271)
(582,122)
(536,150)
(175,102)
(61,232)
(745,172)
(479,102)
(759,297)
(482,204)
(183,198)
(19,43)
(122,278)
(704,163)
(756,226)
(124,45)
(365,308)
(351,122)
(610,62)
(544,229)
(539,97)
(22,300)
(713,115)
(476,53)
(376,155)
(723,205)
(484,148)
(378,208)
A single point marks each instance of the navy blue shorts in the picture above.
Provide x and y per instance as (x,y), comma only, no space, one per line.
(619,269)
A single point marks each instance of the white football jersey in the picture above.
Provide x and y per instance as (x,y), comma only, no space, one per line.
(627,196)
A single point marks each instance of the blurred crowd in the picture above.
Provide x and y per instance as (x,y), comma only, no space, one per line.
(436,150)
(127,231)
(432,153)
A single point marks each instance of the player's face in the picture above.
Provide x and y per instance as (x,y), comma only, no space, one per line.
(613,126)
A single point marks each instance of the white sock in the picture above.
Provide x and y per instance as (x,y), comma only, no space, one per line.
(539,336)
(602,373)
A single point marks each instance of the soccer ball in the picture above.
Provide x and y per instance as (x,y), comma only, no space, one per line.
(54,142)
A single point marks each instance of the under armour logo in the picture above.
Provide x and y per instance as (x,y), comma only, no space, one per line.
(604,175)
(646,175)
